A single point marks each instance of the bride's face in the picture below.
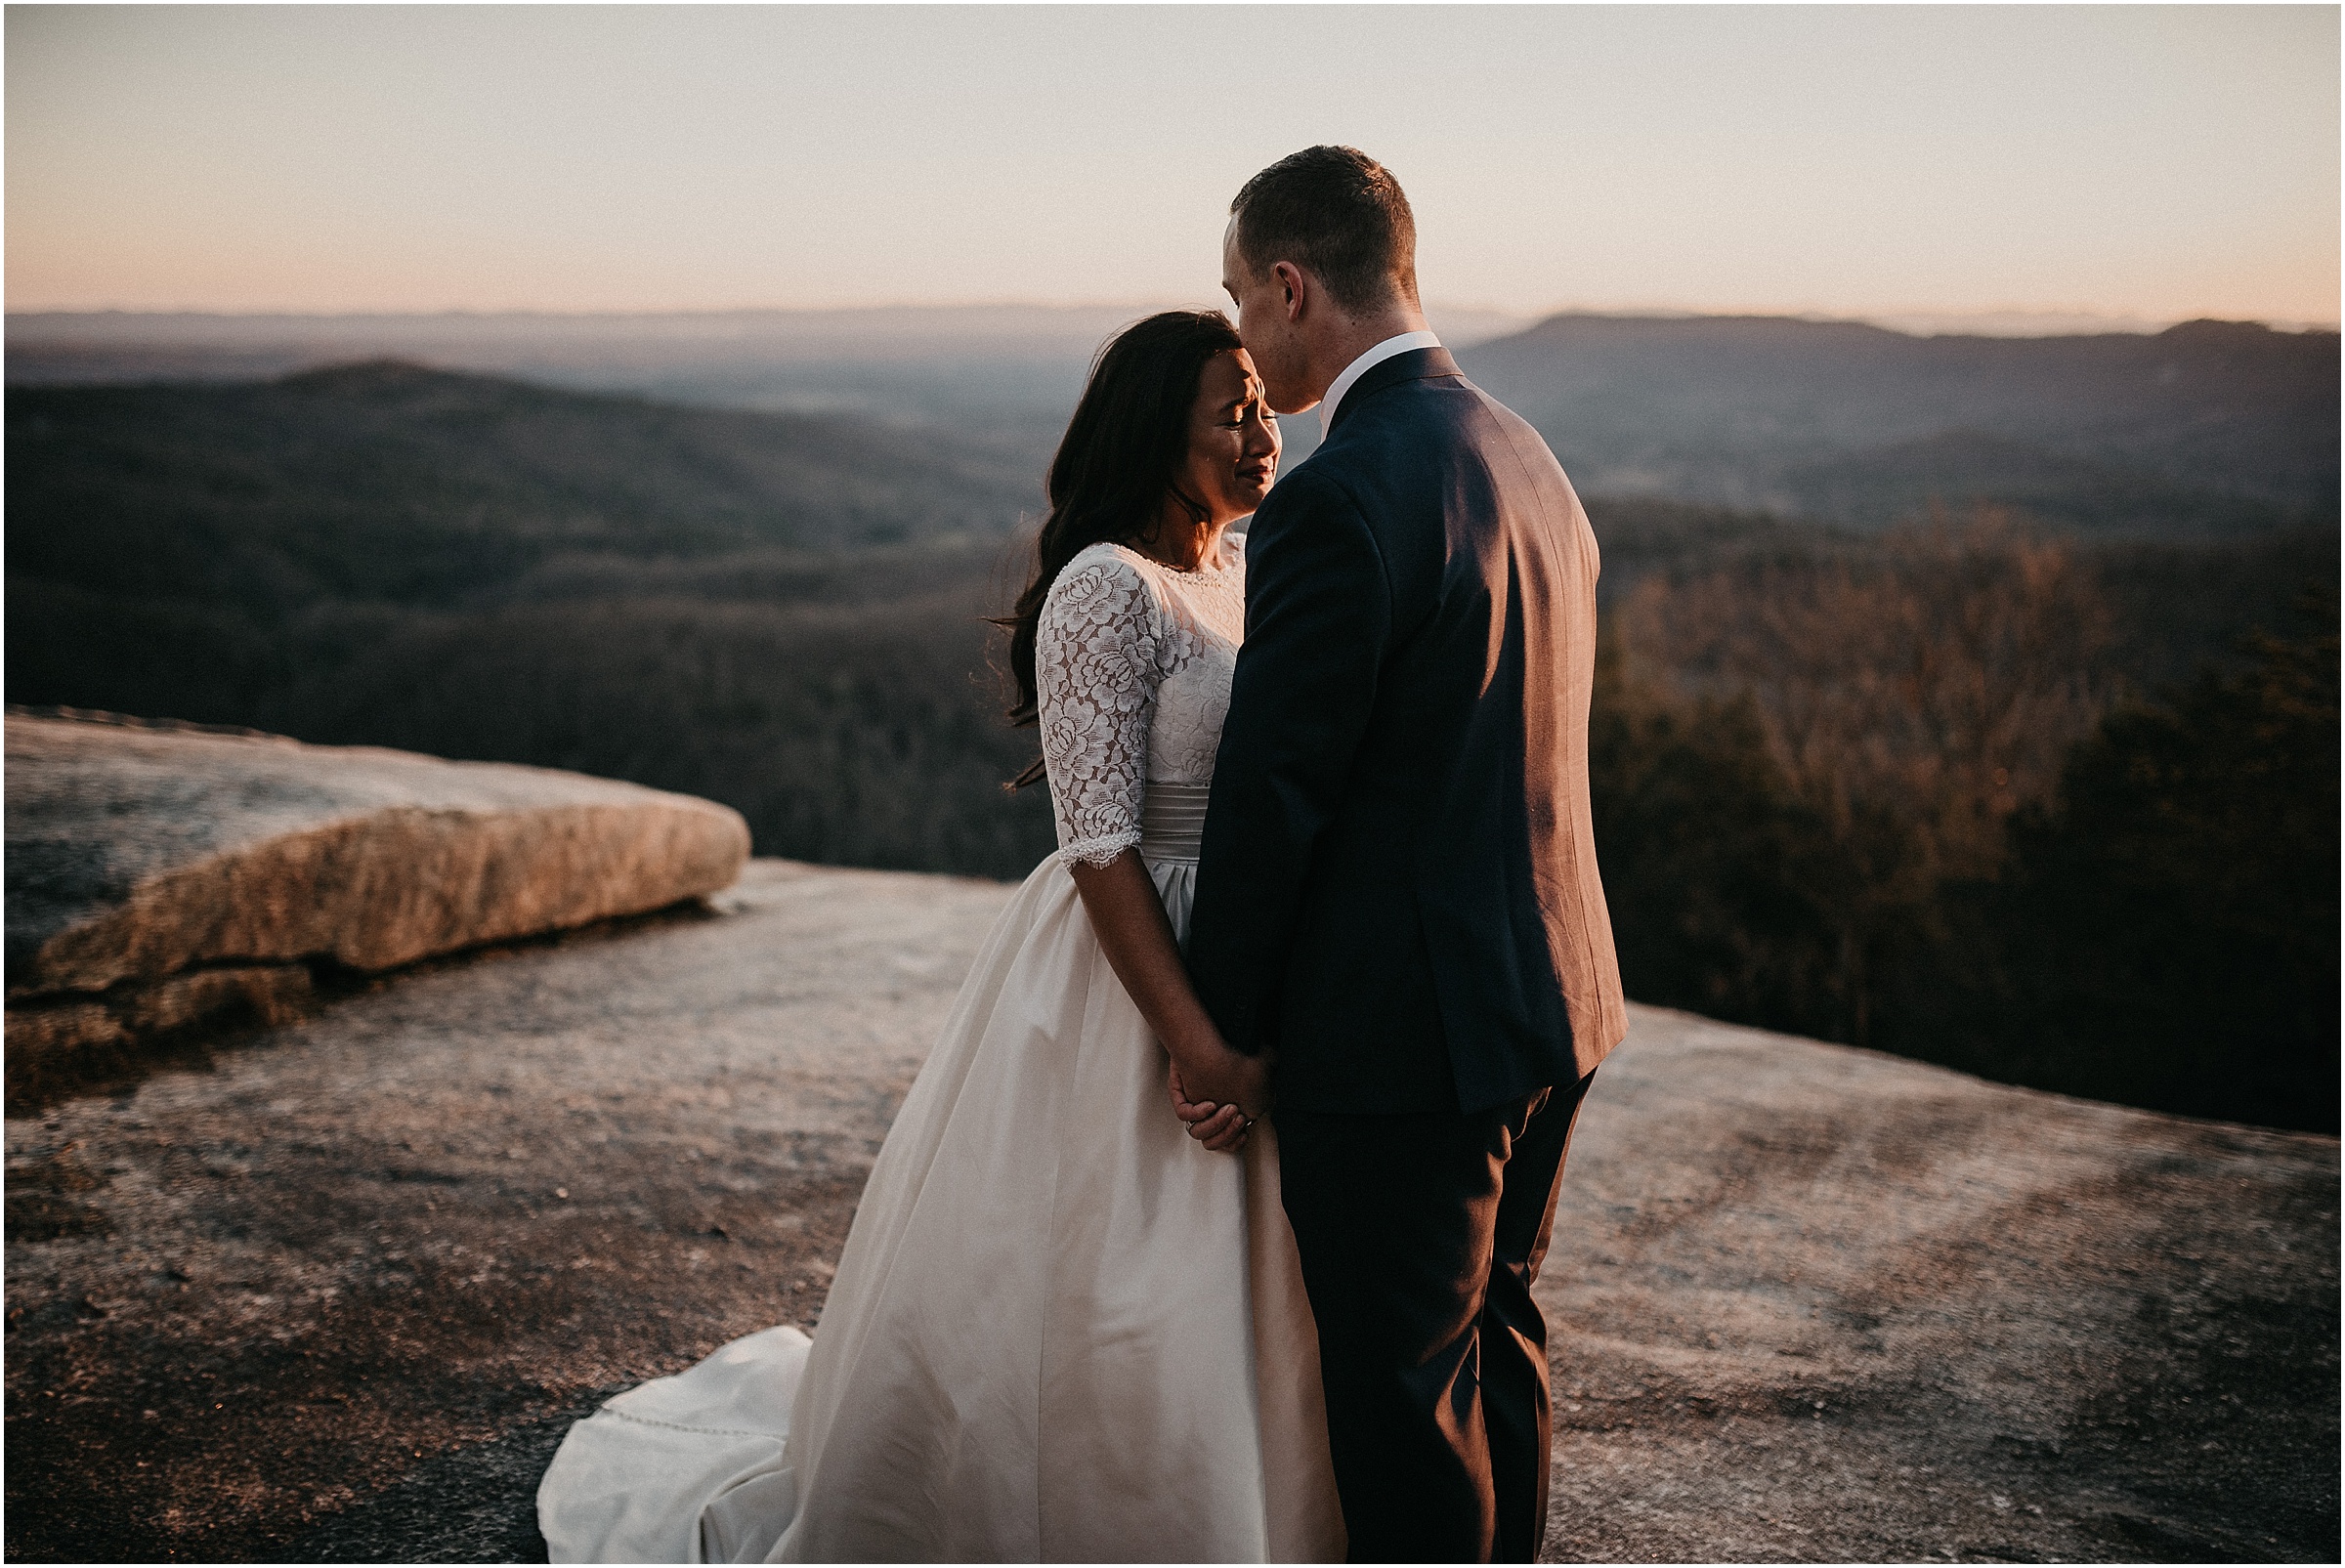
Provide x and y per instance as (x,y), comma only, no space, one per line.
(1233,441)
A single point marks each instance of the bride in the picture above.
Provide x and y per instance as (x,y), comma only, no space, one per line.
(1065,1325)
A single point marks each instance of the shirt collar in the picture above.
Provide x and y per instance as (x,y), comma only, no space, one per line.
(1403,344)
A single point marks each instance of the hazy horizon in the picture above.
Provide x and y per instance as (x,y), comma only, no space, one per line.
(1458,323)
(2144,164)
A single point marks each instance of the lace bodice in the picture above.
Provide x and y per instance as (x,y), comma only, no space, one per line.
(1132,666)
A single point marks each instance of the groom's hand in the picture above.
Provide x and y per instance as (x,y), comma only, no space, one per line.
(1221,1128)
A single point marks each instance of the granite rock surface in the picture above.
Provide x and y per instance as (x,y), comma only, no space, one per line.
(337,1294)
(160,876)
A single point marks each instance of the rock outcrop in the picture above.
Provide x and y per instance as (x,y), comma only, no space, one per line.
(159,877)
(338,1297)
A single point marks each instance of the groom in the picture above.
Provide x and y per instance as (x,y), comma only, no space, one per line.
(1397,896)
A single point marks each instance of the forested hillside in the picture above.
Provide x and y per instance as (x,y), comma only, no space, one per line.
(388,482)
(1876,784)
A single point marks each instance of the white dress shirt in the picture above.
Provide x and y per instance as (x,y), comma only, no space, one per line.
(1362,365)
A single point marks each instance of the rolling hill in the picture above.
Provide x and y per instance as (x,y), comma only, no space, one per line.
(2208,427)
(389,482)
(2204,430)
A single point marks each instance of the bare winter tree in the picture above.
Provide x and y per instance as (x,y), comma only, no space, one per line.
(1913,694)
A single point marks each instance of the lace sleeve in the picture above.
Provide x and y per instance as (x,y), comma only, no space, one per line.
(1095,668)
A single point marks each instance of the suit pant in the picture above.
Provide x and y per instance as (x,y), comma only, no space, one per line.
(1420,1237)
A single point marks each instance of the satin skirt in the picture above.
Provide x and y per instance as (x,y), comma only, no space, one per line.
(1060,1329)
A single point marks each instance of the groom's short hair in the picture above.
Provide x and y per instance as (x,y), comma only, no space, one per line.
(1340,214)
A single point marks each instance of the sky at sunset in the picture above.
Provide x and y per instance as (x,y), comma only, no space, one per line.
(2155,162)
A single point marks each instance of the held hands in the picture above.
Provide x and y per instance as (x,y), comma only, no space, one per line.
(1231,1090)
(1127,914)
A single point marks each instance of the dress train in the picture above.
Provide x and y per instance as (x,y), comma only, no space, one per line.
(1060,1329)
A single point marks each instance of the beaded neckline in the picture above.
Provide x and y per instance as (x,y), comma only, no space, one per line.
(1235,557)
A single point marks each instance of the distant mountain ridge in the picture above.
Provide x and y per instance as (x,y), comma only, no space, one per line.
(2203,430)
(1004,374)
(2207,426)
(396,482)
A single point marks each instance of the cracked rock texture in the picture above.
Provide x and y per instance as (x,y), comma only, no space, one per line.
(159,877)
(337,1294)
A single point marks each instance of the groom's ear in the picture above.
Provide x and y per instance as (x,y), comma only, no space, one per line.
(1294,288)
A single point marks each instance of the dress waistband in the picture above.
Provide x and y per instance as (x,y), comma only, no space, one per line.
(1173,821)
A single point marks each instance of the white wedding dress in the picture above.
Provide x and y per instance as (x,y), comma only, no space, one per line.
(1060,1329)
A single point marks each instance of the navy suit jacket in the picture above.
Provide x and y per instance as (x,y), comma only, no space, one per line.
(1398,890)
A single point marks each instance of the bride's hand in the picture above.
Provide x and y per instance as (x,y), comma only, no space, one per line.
(1221,1128)
(1221,1123)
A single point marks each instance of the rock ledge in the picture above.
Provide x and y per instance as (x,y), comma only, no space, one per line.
(158,877)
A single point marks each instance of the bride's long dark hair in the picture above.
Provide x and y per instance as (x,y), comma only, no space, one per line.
(1120,457)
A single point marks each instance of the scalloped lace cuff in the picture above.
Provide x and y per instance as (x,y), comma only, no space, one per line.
(1099,850)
